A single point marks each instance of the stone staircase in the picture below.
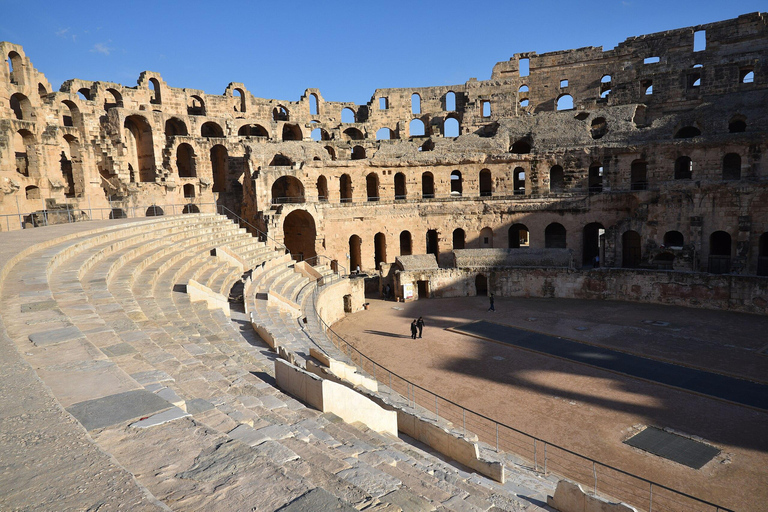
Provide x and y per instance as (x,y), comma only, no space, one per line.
(141,399)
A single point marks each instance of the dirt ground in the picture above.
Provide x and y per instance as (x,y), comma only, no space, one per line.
(582,408)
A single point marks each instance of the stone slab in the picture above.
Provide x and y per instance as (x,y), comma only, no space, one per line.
(114,409)
(276,452)
(151,376)
(315,500)
(371,480)
(174,413)
(120,349)
(55,336)
(30,307)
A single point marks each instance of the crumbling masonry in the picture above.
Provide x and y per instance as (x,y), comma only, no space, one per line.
(645,155)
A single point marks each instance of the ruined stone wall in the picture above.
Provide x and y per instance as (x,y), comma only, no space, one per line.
(661,143)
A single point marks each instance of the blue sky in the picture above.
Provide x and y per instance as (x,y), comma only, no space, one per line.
(345,49)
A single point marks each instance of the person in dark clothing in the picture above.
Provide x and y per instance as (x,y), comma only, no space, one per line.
(414,330)
(420,325)
(491,308)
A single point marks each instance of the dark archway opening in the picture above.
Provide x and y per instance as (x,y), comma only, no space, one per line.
(459,238)
(631,251)
(518,236)
(432,245)
(355,250)
(379,249)
(593,244)
(405,244)
(300,234)
(481,285)
(719,253)
(555,236)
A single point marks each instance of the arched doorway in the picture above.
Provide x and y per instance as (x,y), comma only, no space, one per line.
(593,242)
(322,188)
(372,186)
(345,188)
(379,249)
(287,189)
(518,236)
(630,249)
(137,135)
(457,184)
(405,244)
(719,253)
(555,236)
(459,238)
(486,183)
(355,249)
(481,285)
(427,185)
(219,166)
(400,191)
(299,232)
(432,242)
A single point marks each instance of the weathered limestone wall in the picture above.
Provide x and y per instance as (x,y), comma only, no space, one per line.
(723,292)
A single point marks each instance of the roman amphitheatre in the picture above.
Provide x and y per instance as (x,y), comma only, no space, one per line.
(207,299)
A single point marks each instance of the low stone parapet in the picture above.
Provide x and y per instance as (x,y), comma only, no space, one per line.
(570,497)
(197,292)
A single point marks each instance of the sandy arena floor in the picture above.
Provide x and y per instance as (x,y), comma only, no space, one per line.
(585,409)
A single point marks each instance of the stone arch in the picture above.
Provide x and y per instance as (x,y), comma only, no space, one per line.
(137,134)
(457,183)
(481,285)
(451,127)
(300,234)
(287,189)
(415,103)
(427,185)
(154,211)
(292,132)
(348,115)
(417,128)
(486,183)
(486,238)
(69,113)
(322,188)
(175,127)
(32,192)
(21,106)
(240,103)
(23,148)
(406,243)
(379,249)
(518,181)
(400,186)
(459,238)
(556,179)
(154,86)
(195,106)
(280,113)
(112,99)
(565,102)
(555,236)
(280,160)
(353,134)
(358,153)
(219,160)
(211,129)
(355,252)
(674,240)
(521,147)
(314,105)
(518,236)
(185,161)
(252,130)
(345,188)
(433,243)
(190,208)
(15,63)
(72,166)
(189,191)
(372,186)
(331,152)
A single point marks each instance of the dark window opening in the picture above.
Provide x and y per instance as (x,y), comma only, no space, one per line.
(683,168)
(555,236)
(638,175)
(731,166)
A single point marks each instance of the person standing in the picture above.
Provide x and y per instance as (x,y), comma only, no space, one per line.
(420,325)
(490,298)
(414,330)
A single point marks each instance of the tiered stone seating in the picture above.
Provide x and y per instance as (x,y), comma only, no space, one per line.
(179,401)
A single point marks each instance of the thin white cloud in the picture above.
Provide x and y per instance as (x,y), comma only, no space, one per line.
(65,33)
(101,48)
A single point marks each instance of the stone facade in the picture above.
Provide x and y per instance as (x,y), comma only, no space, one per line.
(645,155)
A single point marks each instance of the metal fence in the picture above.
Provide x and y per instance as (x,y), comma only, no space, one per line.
(540,455)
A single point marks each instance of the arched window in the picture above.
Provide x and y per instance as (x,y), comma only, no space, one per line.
(23,142)
(599,128)
(719,252)
(21,107)
(137,135)
(211,130)
(358,153)
(556,179)
(239,97)
(638,175)
(112,99)
(32,192)
(631,254)
(14,67)
(427,185)
(68,112)
(521,147)
(175,127)
(486,183)
(185,161)
(189,191)
(322,188)
(457,184)
(280,113)
(384,134)
(406,248)
(292,132)
(379,249)
(555,236)
(313,104)
(416,128)
(347,115)
(450,101)
(451,127)
(459,238)
(353,134)
(345,188)
(593,238)
(518,236)
(331,152)
(252,130)
(486,238)
(732,166)
(683,168)
(415,104)
(518,181)
(687,132)
(280,160)
(605,86)
(400,190)
(287,189)
(432,242)
(190,208)
(154,86)
(673,240)
(195,106)
(154,211)
(523,88)
(372,186)
(737,124)
(565,102)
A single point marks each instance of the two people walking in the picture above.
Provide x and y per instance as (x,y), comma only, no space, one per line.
(417,326)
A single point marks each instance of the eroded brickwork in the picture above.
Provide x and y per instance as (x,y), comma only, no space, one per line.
(645,155)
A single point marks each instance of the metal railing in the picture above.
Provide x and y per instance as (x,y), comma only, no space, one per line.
(541,455)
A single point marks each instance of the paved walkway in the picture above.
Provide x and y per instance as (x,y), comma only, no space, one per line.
(690,379)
